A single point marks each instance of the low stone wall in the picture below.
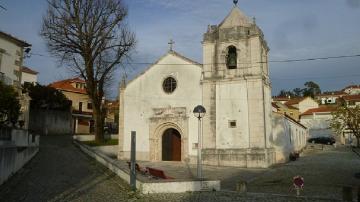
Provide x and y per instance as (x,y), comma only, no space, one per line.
(14,158)
(245,158)
(16,151)
(148,187)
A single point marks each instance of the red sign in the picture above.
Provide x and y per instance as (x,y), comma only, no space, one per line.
(298,181)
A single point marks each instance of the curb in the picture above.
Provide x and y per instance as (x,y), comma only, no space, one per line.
(150,187)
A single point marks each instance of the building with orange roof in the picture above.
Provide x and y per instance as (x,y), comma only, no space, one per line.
(330,97)
(352,90)
(75,90)
(302,103)
(352,100)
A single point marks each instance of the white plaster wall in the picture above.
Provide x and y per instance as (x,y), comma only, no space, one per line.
(232,104)
(287,136)
(145,93)
(26,77)
(8,59)
(318,124)
(307,104)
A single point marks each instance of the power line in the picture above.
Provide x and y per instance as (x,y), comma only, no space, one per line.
(270,61)
(322,77)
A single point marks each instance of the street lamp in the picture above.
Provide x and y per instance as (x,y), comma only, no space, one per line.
(199,113)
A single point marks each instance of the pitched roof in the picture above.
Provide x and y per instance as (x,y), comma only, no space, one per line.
(281,98)
(235,18)
(28,70)
(275,105)
(351,86)
(65,85)
(290,118)
(333,93)
(352,97)
(171,52)
(295,101)
(321,109)
(14,39)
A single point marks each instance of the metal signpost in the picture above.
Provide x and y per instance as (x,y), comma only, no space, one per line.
(298,182)
(133,161)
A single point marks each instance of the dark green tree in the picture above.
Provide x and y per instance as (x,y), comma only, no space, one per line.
(46,97)
(9,105)
(298,92)
(311,89)
(285,93)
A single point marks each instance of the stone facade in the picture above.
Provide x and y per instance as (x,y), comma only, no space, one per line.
(232,84)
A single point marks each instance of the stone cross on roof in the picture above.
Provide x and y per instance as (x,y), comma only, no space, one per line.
(171,43)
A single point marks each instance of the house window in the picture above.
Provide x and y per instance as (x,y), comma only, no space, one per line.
(89,105)
(169,85)
(232,124)
(231,58)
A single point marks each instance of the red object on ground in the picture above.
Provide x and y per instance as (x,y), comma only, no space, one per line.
(158,173)
(298,181)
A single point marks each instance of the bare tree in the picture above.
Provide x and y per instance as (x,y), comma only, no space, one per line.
(347,118)
(91,37)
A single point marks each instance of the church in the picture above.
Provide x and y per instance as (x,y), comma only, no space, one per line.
(232,84)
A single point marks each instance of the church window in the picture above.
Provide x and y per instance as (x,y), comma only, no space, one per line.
(232,124)
(169,85)
(231,58)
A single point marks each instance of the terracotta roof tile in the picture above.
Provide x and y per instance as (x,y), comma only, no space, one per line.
(28,70)
(65,85)
(352,98)
(319,109)
(281,99)
(294,101)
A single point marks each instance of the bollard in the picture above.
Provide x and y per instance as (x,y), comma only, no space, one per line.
(347,194)
(133,161)
(241,187)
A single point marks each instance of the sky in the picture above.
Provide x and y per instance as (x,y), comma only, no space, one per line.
(293,29)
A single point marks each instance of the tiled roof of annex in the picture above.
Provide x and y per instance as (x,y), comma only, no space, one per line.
(66,85)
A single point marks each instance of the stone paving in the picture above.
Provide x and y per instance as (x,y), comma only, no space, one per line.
(61,172)
(325,172)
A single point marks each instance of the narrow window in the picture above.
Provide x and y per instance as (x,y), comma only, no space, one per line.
(89,105)
(231,58)
(232,124)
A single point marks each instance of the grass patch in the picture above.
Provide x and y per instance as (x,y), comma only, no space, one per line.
(105,143)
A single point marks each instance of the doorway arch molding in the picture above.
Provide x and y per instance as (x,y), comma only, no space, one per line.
(156,140)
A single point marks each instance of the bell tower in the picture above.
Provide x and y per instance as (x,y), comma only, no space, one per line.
(236,88)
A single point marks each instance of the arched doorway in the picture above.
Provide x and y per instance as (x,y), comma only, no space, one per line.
(171,145)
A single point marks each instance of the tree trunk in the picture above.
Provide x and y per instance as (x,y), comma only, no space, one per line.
(99,123)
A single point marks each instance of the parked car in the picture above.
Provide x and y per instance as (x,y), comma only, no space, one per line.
(322,140)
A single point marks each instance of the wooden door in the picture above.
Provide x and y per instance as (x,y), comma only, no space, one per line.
(171,145)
